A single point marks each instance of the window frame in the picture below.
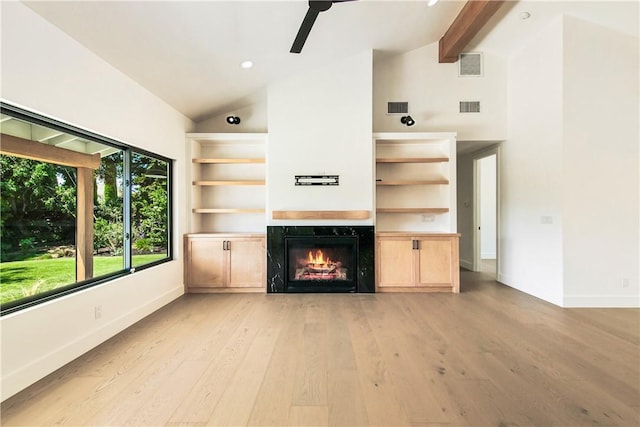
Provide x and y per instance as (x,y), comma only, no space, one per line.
(128,151)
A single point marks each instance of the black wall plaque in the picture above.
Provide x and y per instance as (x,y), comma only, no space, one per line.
(317,179)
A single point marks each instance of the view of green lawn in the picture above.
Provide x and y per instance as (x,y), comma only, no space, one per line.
(19,279)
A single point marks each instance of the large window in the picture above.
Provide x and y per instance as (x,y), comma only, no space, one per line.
(76,209)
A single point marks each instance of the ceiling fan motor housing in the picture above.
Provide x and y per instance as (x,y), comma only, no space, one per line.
(319,5)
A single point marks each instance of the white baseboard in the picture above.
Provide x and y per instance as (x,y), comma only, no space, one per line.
(466,264)
(602,301)
(508,281)
(586,301)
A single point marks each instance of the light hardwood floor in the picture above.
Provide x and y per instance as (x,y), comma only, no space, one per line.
(488,266)
(489,356)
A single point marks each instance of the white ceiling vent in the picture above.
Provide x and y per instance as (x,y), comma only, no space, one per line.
(470,65)
(397,108)
(469,106)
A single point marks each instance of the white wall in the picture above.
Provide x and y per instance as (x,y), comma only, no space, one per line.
(531,177)
(601,142)
(45,70)
(253,119)
(570,218)
(434,91)
(488,191)
(320,123)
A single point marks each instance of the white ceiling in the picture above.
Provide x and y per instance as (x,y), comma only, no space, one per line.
(188,53)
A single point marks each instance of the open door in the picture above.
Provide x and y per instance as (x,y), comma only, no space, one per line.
(486,212)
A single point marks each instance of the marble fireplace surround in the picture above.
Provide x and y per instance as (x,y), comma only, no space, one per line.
(365,270)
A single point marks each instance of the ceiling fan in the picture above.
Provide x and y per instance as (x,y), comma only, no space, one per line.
(315,7)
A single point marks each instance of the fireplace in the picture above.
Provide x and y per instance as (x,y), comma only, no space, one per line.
(320,259)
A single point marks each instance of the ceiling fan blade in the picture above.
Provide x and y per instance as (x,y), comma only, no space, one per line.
(304,30)
(315,7)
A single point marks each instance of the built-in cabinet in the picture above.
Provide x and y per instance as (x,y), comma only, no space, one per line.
(225,263)
(225,251)
(417,262)
(414,216)
(416,243)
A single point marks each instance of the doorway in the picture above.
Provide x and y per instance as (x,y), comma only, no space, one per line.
(486,212)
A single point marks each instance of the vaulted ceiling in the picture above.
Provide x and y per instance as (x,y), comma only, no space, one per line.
(188,53)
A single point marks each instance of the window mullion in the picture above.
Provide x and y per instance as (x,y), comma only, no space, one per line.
(126,198)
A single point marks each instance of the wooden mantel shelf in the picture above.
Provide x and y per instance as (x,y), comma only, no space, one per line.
(321,214)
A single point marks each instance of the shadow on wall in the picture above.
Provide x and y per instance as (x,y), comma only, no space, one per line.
(252,112)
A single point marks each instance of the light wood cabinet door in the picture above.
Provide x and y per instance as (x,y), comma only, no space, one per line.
(247,262)
(417,262)
(434,265)
(206,263)
(395,261)
(225,263)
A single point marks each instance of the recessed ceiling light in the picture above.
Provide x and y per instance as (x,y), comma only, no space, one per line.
(431,2)
(525,15)
(246,64)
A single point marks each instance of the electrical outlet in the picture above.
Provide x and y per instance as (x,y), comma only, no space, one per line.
(428,218)
(625,283)
(546,220)
(97,311)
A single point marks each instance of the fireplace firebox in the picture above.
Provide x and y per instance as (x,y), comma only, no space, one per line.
(321,263)
(320,259)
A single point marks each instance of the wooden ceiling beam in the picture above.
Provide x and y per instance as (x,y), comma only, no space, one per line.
(473,16)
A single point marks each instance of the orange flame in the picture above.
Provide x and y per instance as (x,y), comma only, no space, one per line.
(318,259)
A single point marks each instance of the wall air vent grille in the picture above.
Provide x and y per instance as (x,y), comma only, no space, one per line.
(397,107)
(470,65)
(469,106)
